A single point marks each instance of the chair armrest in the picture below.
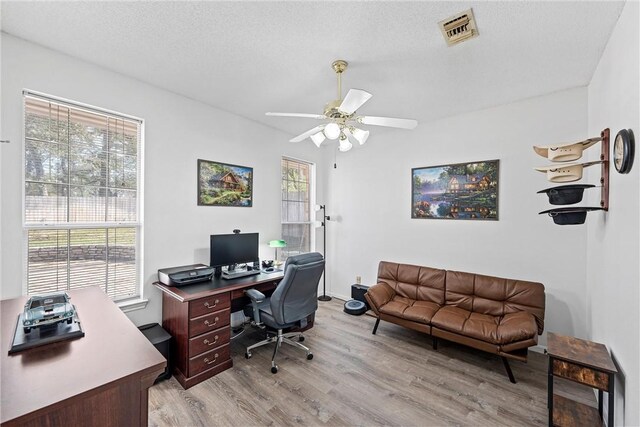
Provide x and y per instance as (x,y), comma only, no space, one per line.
(379,294)
(256,297)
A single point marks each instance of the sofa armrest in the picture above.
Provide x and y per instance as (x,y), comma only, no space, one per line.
(379,294)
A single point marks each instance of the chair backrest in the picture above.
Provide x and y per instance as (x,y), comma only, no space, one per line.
(296,297)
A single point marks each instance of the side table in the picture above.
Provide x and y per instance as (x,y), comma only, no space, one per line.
(583,362)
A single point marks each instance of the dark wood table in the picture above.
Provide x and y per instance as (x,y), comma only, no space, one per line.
(583,362)
(198,318)
(100,379)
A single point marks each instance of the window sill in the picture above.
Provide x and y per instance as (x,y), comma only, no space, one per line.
(132,305)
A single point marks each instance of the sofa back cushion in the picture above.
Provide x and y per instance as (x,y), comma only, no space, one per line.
(412,281)
(494,295)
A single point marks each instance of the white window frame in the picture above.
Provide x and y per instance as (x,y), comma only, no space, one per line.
(312,200)
(134,303)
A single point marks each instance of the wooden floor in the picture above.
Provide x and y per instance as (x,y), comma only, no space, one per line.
(356,378)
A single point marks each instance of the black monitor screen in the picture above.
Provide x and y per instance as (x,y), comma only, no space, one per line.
(227,249)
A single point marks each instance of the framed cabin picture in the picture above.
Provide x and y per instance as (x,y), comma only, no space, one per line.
(458,191)
(222,184)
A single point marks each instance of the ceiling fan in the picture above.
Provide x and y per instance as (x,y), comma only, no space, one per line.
(342,118)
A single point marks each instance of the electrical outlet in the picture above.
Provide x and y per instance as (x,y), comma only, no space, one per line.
(358,280)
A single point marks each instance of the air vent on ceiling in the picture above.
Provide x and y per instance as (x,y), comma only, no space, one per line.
(459,27)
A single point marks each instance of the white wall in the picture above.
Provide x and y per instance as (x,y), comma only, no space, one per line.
(178,132)
(613,239)
(370,192)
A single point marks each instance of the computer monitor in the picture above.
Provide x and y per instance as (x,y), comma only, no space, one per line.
(230,249)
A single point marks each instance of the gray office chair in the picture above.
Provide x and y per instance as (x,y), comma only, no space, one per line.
(295,298)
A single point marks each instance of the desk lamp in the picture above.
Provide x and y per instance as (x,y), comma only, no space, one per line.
(277,244)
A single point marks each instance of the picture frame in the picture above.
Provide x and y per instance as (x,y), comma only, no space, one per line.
(459,191)
(224,184)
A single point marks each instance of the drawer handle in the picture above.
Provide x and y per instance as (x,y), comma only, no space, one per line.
(210,362)
(215,321)
(209,343)
(215,303)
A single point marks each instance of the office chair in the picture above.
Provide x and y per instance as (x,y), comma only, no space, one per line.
(294,299)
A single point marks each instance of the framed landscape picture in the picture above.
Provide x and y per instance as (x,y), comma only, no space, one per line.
(222,184)
(457,191)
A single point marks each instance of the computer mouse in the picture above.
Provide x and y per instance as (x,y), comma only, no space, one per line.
(269,269)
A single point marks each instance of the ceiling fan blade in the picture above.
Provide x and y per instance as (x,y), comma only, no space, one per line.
(389,122)
(354,100)
(310,116)
(307,134)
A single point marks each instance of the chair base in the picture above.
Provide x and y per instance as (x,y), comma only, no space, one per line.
(278,340)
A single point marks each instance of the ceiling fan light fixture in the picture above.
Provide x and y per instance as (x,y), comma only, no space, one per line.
(332,131)
(318,138)
(345,144)
(360,135)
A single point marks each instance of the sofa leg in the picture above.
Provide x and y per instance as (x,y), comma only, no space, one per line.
(434,342)
(375,327)
(508,368)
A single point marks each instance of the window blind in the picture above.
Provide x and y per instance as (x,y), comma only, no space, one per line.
(82,196)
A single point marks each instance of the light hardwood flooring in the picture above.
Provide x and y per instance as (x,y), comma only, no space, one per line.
(356,378)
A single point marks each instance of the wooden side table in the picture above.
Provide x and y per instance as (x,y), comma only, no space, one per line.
(584,362)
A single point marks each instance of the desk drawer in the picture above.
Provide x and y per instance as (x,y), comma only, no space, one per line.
(208,360)
(209,341)
(262,287)
(208,323)
(207,305)
(581,374)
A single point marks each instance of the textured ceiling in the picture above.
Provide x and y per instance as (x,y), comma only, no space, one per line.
(253,57)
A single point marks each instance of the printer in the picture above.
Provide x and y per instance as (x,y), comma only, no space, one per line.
(185,275)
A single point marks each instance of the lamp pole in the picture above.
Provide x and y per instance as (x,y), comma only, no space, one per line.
(325,218)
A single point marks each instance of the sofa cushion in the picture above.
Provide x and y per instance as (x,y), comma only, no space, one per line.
(493,329)
(414,282)
(517,326)
(495,296)
(406,308)
(475,325)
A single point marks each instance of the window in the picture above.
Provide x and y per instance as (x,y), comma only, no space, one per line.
(82,195)
(297,195)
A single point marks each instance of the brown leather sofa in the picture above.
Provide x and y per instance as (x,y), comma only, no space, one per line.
(499,316)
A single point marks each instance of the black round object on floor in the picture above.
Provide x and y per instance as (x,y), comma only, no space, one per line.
(355,307)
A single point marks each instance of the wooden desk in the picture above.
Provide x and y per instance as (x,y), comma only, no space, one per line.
(100,379)
(198,318)
(584,362)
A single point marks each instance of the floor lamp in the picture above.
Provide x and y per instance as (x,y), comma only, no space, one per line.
(325,218)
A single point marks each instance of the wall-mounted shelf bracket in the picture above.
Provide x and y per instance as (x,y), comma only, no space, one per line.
(604,170)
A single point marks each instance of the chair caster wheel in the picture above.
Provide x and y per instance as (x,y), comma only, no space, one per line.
(247,355)
(309,356)
(300,338)
(274,369)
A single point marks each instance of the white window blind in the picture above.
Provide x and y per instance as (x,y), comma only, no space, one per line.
(82,197)
(297,194)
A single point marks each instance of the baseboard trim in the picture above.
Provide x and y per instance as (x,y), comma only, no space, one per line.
(539,349)
(340,297)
